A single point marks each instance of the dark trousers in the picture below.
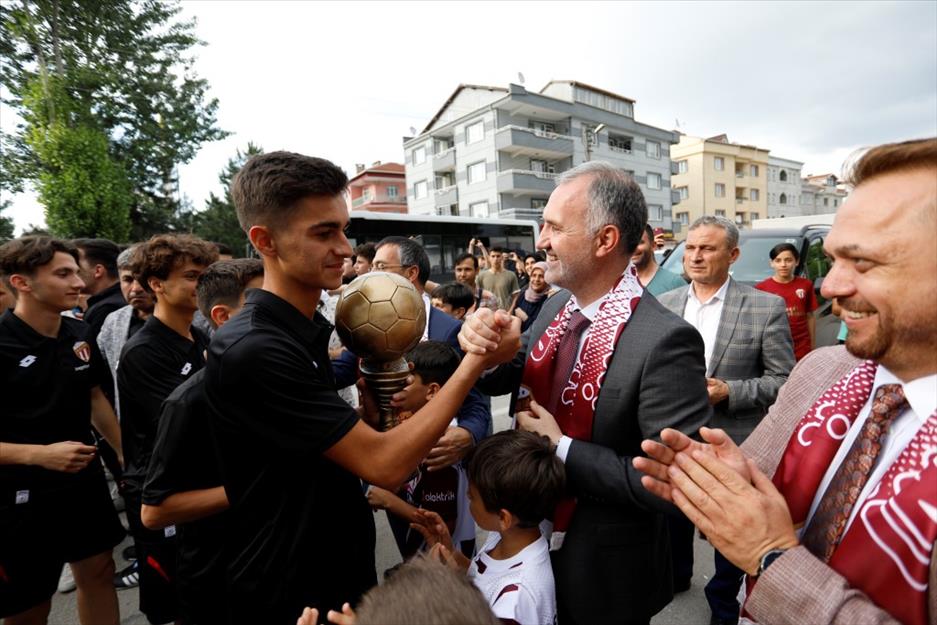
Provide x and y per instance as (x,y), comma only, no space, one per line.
(723,588)
(681,549)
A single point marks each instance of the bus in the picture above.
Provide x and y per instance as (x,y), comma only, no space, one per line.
(443,237)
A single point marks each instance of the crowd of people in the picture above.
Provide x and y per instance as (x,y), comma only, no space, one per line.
(244,450)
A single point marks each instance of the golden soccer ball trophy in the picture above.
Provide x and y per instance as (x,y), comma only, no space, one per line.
(380,317)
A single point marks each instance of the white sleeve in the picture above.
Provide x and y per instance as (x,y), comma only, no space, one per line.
(515,604)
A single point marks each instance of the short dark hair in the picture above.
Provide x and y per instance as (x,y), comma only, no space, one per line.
(223,248)
(518,472)
(224,282)
(434,361)
(366,250)
(466,256)
(783,247)
(100,252)
(499,249)
(157,257)
(425,592)
(268,186)
(537,256)
(27,254)
(412,254)
(455,294)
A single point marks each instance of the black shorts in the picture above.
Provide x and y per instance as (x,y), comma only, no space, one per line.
(156,558)
(53,527)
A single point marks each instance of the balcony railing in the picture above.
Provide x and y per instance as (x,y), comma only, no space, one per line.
(451,148)
(739,174)
(537,131)
(380,198)
(539,174)
(447,189)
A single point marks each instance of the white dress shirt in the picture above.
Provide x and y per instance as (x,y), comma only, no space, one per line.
(427,304)
(705,316)
(922,401)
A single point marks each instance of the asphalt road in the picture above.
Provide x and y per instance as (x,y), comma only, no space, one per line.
(688,608)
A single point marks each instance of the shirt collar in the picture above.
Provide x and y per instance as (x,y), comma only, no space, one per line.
(718,296)
(108,292)
(288,315)
(168,334)
(921,393)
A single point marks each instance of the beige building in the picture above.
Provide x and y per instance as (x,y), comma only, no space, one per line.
(715,177)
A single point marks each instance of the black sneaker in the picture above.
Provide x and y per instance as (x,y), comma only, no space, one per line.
(127,578)
(129,553)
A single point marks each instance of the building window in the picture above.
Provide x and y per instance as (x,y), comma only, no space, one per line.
(538,202)
(826,201)
(366,194)
(755,216)
(720,189)
(683,218)
(420,190)
(682,167)
(739,218)
(476,172)
(653,181)
(655,212)
(753,170)
(783,176)
(475,132)
(419,155)
(441,145)
(719,163)
(754,195)
(783,199)
(684,192)
(479,209)
(619,143)
(542,129)
(542,167)
(653,149)
(392,191)
(720,213)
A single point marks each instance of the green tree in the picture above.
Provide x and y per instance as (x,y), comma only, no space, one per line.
(119,68)
(218,220)
(6,223)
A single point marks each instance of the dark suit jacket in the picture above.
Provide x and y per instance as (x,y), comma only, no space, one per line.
(475,413)
(614,565)
(753,354)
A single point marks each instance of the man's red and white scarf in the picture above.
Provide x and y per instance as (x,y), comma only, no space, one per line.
(576,405)
(886,551)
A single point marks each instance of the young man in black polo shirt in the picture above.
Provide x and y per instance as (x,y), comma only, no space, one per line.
(54,502)
(97,263)
(301,531)
(183,485)
(163,354)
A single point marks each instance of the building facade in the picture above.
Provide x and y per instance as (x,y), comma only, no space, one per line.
(380,188)
(822,194)
(715,177)
(784,187)
(493,152)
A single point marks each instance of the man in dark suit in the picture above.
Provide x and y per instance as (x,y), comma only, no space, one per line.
(610,545)
(749,354)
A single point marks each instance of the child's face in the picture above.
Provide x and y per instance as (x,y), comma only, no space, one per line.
(488,521)
(416,395)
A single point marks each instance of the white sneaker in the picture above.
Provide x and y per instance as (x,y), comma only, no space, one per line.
(66,580)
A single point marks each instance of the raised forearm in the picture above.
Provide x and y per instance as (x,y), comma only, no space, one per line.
(185,507)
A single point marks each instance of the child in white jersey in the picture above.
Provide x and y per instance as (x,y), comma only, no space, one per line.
(515,481)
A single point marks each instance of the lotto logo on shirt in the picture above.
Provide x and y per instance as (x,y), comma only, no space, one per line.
(186,368)
(28,360)
(83,351)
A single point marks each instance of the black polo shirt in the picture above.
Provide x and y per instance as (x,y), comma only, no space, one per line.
(101,305)
(153,363)
(184,459)
(301,532)
(45,397)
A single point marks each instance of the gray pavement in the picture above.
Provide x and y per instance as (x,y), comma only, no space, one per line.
(688,608)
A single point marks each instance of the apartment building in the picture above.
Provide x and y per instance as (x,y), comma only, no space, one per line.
(822,194)
(381,188)
(716,177)
(784,186)
(491,152)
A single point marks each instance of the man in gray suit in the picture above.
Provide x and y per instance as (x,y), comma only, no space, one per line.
(749,354)
(623,352)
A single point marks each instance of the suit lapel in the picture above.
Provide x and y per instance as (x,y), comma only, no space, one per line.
(731,309)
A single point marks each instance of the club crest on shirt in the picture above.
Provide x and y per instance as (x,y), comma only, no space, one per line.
(800,293)
(82,350)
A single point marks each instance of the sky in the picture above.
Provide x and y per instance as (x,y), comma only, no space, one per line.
(811,81)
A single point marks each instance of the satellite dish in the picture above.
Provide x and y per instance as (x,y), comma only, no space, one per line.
(520,77)
(412,130)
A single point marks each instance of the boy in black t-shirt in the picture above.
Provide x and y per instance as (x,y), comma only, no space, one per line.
(292,451)
(183,484)
(432,364)
(163,354)
(54,502)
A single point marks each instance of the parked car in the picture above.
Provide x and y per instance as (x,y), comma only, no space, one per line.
(753,266)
